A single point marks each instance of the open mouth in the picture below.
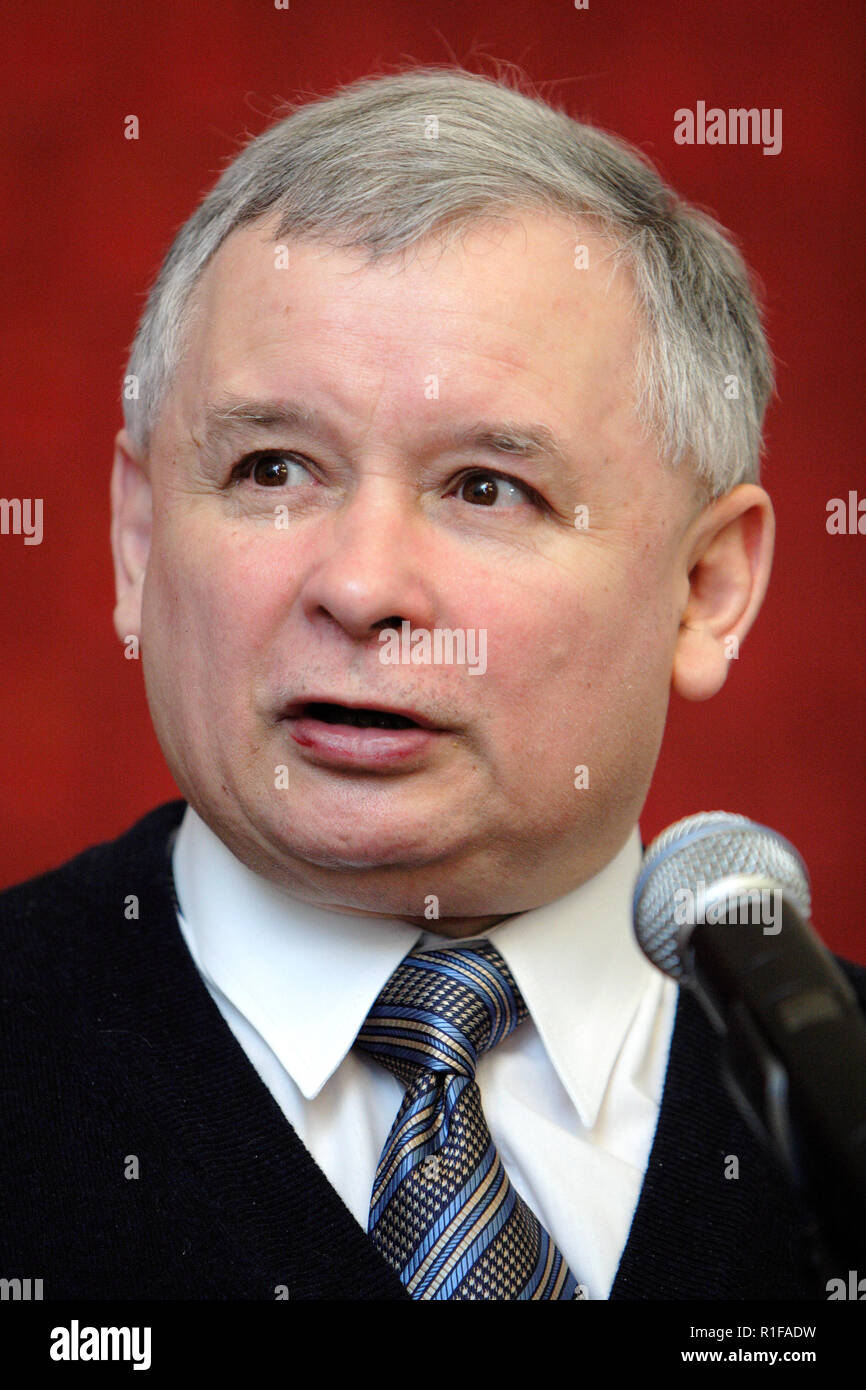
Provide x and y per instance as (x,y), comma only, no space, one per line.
(361,736)
(357,718)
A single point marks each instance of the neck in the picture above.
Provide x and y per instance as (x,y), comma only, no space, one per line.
(455,928)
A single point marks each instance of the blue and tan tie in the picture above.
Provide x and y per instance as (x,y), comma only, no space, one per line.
(443,1211)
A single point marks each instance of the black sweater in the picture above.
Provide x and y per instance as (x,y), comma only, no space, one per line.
(114,1052)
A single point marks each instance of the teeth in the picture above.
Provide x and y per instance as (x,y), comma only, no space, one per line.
(359,718)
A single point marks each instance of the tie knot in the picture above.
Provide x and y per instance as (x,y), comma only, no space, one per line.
(441,1009)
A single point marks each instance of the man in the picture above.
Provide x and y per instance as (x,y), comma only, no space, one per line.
(430,488)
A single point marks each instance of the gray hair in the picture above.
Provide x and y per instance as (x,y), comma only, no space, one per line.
(359,169)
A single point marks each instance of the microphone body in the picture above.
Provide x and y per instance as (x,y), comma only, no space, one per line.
(722,904)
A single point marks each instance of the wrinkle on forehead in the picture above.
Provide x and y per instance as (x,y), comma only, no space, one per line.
(244,312)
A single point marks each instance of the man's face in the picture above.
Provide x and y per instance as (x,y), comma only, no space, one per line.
(280,552)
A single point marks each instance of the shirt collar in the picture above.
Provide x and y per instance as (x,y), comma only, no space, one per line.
(582,975)
(306,977)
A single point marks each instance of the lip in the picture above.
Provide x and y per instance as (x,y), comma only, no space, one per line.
(344,745)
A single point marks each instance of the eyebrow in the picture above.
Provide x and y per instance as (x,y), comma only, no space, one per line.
(527,440)
(230,417)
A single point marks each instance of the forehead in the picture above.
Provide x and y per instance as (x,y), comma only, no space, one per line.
(512,308)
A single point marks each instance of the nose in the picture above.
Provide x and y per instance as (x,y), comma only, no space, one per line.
(374,566)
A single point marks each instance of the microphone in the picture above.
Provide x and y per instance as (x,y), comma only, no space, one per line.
(722,905)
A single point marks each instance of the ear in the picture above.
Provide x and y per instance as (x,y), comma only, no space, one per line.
(131,523)
(728,555)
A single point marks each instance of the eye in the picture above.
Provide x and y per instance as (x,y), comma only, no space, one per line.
(485,489)
(271,468)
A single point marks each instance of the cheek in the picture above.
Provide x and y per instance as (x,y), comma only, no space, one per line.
(205,610)
(587,645)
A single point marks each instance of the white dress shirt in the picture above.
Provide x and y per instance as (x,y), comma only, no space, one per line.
(571,1097)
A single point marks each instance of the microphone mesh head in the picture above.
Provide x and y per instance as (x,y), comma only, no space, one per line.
(706,848)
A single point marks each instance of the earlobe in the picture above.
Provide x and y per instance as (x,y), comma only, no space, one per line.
(131,525)
(728,555)
(700,668)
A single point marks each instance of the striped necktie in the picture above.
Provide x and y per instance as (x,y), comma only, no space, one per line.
(443,1211)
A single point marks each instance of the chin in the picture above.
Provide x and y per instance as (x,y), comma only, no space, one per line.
(383,823)
(360,849)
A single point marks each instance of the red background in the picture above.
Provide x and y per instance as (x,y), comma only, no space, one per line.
(89,216)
